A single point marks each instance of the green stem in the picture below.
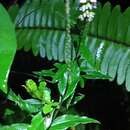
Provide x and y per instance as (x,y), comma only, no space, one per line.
(55,112)
(68,46)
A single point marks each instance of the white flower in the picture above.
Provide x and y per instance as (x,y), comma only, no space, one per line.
(93,1)
(83,1)
(81,17)
(87,9)
(100,50)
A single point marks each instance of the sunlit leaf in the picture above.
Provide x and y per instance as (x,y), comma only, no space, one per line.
(73,79)
(67,121)
(29,105)
(18,126)
(37,123)
(61,76)
(7,47)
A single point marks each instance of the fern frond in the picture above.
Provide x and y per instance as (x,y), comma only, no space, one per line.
(41,26)
(109,42)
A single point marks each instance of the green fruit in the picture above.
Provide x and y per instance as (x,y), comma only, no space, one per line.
(42,86)
(31,85)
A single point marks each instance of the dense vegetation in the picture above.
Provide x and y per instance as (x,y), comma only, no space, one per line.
(80,47)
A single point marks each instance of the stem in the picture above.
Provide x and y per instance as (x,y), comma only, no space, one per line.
(68,46)
(31,75)
(55,112)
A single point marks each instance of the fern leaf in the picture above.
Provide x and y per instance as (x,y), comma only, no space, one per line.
(41,27)
(103,21)
(109,42)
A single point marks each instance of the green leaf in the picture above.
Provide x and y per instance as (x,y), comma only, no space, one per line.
(45,73)
(82,82)
(91,74)
(13,11)
(73,78)
(46,95)
(8,112)
(62,68)
(122,68)
(109,36)
(112,24)
(114,63)
(103,21)
(66,121)
(7,47)
(86,54)
(61,76)
(107,58)
(78,98)
(124,20)
(41,26)
(37,123)
(128,78)
(62,84)
(94,25)
(29,105)
(69,101)
(47,108)
(18,126)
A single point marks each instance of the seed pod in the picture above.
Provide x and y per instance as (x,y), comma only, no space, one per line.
(31,86)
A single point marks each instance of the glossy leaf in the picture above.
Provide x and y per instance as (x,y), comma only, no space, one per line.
(109,41)
(122,68)
(95,75)
(47,108)
(62,84)
(18,126)
(45,73)
(7,47)
(78,98)
(41,27)
(46,95)
(37,123)
(73,79)
(86,54)
(82,82)
(69,101)
(30,105)
(61,76)
(67,121)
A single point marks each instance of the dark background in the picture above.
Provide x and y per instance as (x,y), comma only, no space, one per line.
(105,101)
